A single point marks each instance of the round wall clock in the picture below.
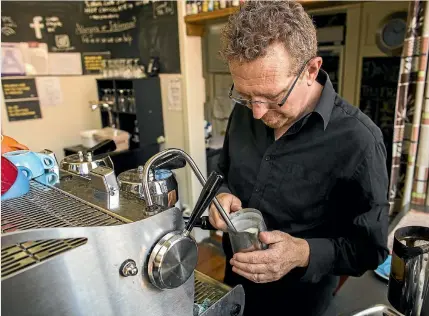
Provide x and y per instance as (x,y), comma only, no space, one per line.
(391,33)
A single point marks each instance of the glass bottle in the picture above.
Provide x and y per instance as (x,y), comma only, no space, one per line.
(131,101)
(122,101)
(188,7)
(205,6)
(194,7)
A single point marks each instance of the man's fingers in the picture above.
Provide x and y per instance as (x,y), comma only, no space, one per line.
(215,219)
(255,277)
(236,205)
(258,256)
(249,267)
(272,237)
(229,203)
(226,205)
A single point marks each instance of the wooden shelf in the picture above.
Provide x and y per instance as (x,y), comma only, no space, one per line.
(212,15)
(195,23)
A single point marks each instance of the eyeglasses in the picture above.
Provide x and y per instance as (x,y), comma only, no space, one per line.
(248,102)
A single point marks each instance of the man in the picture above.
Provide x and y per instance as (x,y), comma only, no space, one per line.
(313,164)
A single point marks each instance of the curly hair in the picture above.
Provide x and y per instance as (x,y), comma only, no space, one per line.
(258,24)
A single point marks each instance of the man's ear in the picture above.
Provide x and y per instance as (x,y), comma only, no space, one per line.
(313,70)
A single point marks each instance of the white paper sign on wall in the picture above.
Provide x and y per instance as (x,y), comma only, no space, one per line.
(12,60)
(175,95)
(49,91)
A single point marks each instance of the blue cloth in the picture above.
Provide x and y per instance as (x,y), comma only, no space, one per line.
(201,308)
(384,268)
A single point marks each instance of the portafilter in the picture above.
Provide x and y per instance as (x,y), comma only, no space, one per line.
(174,257)
(83,162)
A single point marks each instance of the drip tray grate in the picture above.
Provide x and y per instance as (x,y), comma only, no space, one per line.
(208,290)
(44,207)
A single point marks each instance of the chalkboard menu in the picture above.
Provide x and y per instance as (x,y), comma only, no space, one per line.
(126,29)
(378,95)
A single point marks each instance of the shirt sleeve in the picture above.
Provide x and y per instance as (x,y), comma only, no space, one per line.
(223,163)
(363,244)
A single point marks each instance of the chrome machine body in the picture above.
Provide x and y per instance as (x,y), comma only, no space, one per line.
(162,182)
(82,164)
(82,246)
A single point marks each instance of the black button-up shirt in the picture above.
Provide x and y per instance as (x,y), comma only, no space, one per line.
(325,180)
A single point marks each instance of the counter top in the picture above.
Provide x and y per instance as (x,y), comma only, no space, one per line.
(358,294)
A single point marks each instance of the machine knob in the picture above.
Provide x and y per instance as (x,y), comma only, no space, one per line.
(172,261)
(174,258)
(235,310)
(128,268)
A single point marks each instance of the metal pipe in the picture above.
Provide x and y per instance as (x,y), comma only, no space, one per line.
(195,169)
(108,107)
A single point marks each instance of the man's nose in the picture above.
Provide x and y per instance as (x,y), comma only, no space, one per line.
(258,111)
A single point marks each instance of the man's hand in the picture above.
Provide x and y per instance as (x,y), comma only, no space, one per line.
(230,203)
(284,254)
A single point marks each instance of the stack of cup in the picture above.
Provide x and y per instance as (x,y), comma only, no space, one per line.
(20,167)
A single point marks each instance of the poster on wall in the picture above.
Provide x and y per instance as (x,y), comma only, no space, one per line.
(65,64)
(49,91)
(12,61)
(21,99)
(24,88)
(35,58)
(175,95)
(94,63)
(23,110)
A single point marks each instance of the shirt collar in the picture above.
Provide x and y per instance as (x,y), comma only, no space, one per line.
(326,101)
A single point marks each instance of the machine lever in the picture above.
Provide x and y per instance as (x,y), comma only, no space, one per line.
(207,194)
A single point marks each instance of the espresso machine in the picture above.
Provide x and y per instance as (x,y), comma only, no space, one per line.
(91,242)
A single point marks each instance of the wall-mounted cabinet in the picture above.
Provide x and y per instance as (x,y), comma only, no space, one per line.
(136,107)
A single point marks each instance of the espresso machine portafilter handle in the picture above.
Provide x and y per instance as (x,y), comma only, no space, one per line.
(103,147)
(208,193)
(151,207)
(204,223)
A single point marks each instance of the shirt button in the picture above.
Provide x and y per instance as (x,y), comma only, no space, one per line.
(267,158)
(257,189)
